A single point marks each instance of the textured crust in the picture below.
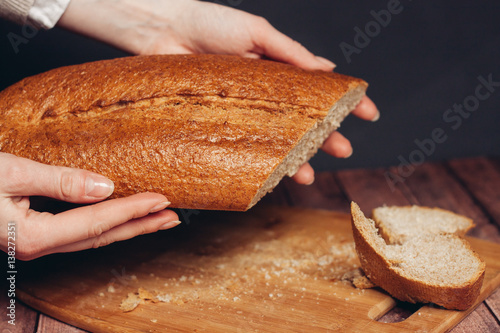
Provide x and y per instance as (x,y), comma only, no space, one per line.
(205,130)
(380,271)
(391,238)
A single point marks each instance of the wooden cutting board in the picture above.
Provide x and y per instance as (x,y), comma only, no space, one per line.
(267,270)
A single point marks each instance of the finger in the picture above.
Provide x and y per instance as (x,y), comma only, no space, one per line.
(162,220)
(305,175)
(24,177)
(92,221)
(366,110)
(337,145)
(280,47)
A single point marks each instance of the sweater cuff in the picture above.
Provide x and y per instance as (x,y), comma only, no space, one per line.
(37,13)
(45,13)
(16,10)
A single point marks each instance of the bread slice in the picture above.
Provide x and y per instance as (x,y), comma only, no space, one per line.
(208,131)
(399,224)
(428,267)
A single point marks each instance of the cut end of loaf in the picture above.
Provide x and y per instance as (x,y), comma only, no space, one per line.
(311,141)
(428,267)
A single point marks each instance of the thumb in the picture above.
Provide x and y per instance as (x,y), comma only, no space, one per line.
(23,177)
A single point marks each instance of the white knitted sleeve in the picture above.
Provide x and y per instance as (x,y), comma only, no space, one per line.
(37,13)
(15,10)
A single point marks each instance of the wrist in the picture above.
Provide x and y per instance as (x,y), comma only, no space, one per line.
(130,25)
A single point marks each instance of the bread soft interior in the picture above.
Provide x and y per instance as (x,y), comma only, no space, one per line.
(311,141)
(398,224)
(435,259)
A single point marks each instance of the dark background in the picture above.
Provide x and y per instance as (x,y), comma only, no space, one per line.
(424,61)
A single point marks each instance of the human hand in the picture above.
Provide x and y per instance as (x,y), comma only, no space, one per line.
(38,234)
(187,26)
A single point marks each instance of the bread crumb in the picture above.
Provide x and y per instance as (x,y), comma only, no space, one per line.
(146,295)
(111,289)
(154,320)
(101,294)
(130,303)
(358,278)
(164,298)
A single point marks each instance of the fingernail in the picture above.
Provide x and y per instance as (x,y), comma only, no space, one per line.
(169,225)
(310,182)
(377,116)
(350,154)
(98,186)
(326,62)
(160,206)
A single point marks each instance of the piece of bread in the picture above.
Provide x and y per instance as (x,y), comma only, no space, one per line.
(208,131)
(417,220)
(438,268)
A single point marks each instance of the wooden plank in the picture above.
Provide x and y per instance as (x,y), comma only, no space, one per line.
(369,188)
(481,177)
(479,321)
(47,324)
(434,186)
(26,318)
(493,303)
(495,160)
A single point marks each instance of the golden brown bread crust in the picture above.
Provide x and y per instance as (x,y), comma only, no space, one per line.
(79,88)
(205,130)
(379,270)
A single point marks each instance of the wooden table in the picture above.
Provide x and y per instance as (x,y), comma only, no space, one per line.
(467,186)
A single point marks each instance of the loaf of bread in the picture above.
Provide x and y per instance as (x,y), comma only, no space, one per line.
(430,266)
(208,131)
